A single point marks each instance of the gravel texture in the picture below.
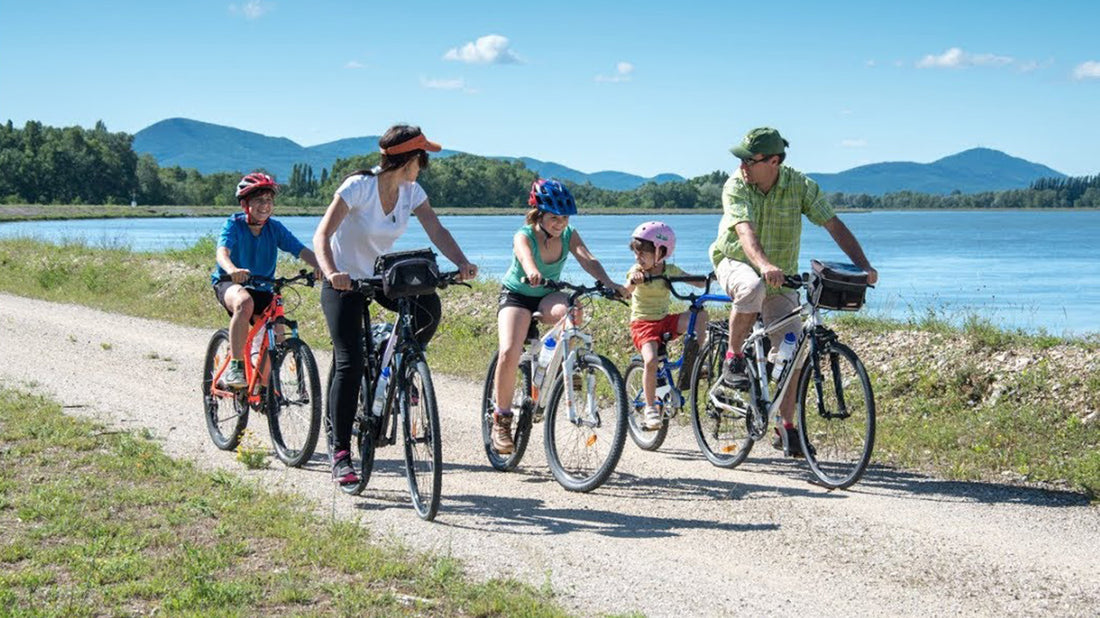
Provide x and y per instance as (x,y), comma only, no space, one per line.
(667,535)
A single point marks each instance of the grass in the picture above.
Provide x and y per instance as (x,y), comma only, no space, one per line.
(952,403)
(102,523)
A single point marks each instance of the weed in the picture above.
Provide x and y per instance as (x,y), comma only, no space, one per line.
(251,451)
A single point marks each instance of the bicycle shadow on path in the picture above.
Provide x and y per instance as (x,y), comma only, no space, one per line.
(531,516)
(915,486)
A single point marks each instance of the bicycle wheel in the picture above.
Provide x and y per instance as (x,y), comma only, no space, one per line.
(719,415)
(294,402)
(836,415)
(635,400)
(582,453)
(521,404)
(423,442)
(226,414)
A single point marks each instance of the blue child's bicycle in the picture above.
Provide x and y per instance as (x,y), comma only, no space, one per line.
(673,376)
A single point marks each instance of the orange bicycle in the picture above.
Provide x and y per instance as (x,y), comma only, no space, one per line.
(282,377)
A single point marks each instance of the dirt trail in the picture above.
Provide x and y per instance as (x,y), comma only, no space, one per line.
(667,535)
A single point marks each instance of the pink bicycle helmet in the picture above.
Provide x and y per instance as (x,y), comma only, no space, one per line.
(658,233)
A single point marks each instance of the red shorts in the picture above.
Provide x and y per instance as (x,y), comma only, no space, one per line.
(642,331)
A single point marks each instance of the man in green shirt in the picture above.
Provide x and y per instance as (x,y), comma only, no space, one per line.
(758,241)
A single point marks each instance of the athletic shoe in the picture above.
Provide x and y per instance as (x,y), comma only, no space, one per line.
(653,419)
(234,375)
(342,470)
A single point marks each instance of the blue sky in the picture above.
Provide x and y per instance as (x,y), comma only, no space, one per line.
(641,87)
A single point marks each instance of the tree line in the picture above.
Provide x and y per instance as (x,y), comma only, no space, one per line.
(72,165)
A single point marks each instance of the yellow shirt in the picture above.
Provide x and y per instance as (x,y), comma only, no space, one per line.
(650,301)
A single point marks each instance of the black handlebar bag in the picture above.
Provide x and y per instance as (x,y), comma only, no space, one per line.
(836,285)
(407,273)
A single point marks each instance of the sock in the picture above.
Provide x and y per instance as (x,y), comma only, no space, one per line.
(788,425)
(731,354)
(504,412)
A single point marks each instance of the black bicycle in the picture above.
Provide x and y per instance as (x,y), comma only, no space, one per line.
(409,403)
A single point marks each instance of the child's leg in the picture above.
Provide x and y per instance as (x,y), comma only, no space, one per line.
(239,301)
(553,307)
(512,325)
(649,373)
(700,326)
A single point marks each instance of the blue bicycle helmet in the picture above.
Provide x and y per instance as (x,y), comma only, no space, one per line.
(549,195)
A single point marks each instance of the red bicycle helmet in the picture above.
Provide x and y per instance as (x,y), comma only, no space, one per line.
(251,183)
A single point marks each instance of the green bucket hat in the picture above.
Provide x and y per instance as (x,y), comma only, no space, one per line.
(763,140)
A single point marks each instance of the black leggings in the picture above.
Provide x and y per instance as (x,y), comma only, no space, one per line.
(347,321)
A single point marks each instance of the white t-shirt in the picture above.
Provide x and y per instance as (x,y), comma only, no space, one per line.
(367,232)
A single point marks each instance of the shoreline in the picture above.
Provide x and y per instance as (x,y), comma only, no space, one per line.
(37,212)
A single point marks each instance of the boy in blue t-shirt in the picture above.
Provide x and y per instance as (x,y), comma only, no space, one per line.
(249,245)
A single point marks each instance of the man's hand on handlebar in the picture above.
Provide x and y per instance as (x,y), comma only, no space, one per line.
(340,281)
(240,275)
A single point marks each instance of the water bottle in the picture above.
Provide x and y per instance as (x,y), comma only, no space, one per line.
(380,392)
(786,351)
(549,346)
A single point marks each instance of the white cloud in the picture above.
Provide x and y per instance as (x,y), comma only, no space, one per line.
(869,63)
(354,64)
(443,84)
(854,143)
(956,58)
(1087,70)
(489,49)
(253,9)
(623,70)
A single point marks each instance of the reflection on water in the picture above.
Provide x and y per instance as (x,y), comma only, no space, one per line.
(1031,270)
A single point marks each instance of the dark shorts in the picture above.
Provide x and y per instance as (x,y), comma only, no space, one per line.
(260,299)
(508,298)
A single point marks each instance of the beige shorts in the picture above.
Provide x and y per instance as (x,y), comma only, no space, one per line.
(749,293)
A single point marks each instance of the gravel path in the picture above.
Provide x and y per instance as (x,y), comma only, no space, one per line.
(667,535)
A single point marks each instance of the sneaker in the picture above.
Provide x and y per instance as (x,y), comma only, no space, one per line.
(792,442)
(501,434)
(342,470)
(733,374)
(653,419)
(234,375)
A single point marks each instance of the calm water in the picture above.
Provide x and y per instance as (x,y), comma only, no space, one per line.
(1031,270)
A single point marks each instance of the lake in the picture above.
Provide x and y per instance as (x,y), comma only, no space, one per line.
(1034,270)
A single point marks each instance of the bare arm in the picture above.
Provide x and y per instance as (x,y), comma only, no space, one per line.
(521,247)
(330,222)
(750,242)
(239,275)
(591,265)
(442,238)
(309,257)
(850,246)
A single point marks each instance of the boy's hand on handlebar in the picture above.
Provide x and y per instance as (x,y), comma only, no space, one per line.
(637,276)
(340,281)
(240,275)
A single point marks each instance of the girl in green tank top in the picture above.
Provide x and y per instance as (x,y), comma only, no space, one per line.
(539,251)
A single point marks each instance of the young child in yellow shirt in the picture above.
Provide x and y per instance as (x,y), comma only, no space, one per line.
(653,243)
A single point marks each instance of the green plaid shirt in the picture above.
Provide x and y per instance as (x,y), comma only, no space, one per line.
(776,217)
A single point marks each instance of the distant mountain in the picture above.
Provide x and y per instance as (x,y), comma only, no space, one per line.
(971,171)
(216,148)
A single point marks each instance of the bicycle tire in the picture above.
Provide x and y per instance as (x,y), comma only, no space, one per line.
(423,439)
(226,417)
(521,405)
(575,451)
(633,382)
(294,402)
(722,435)
(838,448)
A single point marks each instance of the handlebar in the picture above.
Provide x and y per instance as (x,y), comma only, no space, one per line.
(368,285)
(577,291)
(306,277)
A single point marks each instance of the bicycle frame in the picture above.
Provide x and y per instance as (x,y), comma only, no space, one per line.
(256,377)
